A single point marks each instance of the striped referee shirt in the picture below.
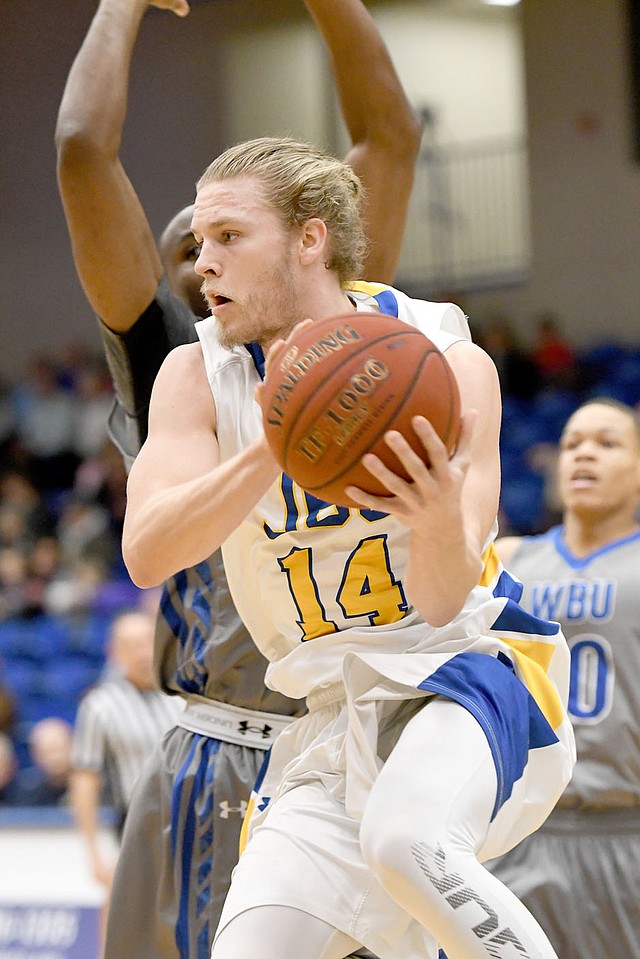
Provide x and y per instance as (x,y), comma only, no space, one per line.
(116,728)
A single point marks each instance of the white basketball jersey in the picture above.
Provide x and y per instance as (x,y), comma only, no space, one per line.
(314,581)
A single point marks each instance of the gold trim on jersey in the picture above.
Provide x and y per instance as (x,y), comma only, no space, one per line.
(363,286)
(532,656)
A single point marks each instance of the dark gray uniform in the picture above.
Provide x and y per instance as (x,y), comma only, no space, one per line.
(181,836)
(579,874)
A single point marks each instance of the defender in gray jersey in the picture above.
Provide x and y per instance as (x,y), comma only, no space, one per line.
(181,837)
(580,874)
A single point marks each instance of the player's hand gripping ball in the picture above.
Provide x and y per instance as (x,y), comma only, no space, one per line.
(338,385)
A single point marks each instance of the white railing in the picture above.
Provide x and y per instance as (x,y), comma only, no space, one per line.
(468,224)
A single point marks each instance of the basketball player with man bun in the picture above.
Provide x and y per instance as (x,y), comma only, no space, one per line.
(436,735)
(579,874)
(181,838)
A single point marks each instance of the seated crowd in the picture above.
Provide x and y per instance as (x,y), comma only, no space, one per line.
(62,579)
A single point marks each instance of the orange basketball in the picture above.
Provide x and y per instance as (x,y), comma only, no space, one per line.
(334,390)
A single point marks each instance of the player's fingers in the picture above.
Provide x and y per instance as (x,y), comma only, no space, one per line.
(299,326)
(415,466)
(437,454)
(278,347)
(296,329)
(390,480)
(275,351)
(367,500)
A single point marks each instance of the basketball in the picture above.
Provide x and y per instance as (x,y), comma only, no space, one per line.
(333,391)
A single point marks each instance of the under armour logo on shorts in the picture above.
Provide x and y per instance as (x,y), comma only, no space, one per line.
(265,731)
(226,809)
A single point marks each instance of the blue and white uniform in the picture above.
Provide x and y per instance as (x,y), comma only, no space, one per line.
(579,874)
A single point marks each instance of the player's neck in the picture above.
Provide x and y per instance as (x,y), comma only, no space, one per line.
(584,535)
(333,301)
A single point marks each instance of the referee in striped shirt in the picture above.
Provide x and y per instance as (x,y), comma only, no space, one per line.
(119,722)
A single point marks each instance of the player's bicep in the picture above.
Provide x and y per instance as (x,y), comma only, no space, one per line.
(113,246)
(181,444)
(479,390)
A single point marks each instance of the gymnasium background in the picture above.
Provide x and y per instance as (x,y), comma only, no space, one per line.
(550,79)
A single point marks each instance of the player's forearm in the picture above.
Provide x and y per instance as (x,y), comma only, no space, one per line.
(442,570)
(373,102)
(180,526)
(93,108)
(84,795)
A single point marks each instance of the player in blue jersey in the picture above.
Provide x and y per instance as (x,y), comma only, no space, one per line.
(579,873)
(182,832)
(436,734)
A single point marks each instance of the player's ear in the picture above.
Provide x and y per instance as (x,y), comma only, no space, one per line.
(313,240)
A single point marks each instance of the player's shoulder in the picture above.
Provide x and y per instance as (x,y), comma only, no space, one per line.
(474,370)
(430,316)
(530,547)
(506,547)
(181,383)
(181,361)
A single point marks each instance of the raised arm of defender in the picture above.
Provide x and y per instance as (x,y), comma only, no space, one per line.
(115,253)
(114,249)
(384,129)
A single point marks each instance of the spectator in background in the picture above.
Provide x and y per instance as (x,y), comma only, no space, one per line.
(14,531)
(516,371)
(43,564)
(7,709)
(13,581)
(553,356)
(542,459)
(119,723)
(17,492)
(95,395)
(46,418)
(9,788)
(10,793)
(46,782)
(84,531)
(73,591)
(74,359)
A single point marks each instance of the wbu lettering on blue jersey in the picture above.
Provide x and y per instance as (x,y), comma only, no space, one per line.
(314,513)
(574,601)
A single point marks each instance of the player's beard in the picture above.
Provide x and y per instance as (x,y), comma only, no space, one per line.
(268,313)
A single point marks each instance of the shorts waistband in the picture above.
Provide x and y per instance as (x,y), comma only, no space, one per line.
(232,724)
(623,820)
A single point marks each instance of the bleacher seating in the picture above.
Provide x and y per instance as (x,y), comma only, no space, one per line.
(608,369)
